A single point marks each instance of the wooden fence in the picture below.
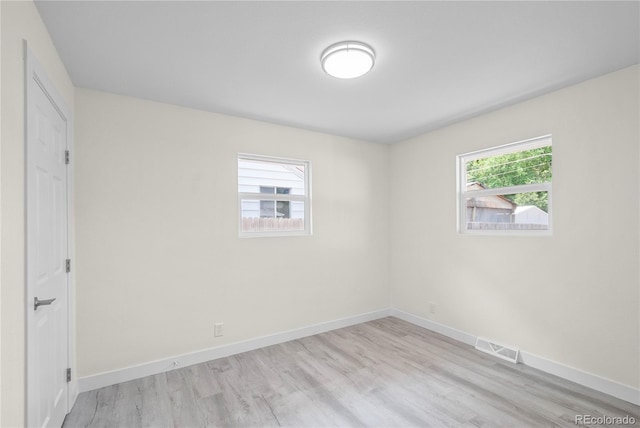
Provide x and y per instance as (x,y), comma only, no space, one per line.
(270,224)
(505,226)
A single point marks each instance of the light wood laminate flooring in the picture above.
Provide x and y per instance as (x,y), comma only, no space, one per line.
(383,373)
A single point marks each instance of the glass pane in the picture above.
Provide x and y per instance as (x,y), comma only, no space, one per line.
(270,177)
(267,209)
(524,167)
(521,211)
(282,209)
(268,216)
(264,189)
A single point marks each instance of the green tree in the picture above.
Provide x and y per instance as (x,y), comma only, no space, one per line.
(525,167)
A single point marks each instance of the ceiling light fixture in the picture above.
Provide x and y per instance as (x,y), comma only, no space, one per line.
(346,60)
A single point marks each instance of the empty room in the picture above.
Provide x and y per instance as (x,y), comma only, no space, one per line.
(319,213)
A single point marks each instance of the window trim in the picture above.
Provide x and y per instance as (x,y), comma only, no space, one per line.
(306,198)
(463,194)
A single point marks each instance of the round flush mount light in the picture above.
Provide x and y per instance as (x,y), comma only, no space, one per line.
(346,60)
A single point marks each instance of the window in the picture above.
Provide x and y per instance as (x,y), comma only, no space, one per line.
(506,189)
(279,209)
(273,196)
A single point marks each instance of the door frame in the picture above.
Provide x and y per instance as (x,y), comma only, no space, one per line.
(36,79)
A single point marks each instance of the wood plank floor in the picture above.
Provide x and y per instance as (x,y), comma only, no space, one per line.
(384,373)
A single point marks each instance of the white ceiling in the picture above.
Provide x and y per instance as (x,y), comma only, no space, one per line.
(437,62)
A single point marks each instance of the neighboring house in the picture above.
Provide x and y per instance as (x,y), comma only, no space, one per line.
(496,212)
(489,209)
(530,214)
(268,178)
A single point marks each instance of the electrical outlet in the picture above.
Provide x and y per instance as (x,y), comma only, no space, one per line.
(217,331)
(432,308)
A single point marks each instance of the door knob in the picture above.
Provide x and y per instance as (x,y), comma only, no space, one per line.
(37,302)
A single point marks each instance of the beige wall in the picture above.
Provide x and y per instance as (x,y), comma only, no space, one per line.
(159,258)
(573,297)
(20,20)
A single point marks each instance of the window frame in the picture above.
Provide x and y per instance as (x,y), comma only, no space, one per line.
(306,198)
(463,193)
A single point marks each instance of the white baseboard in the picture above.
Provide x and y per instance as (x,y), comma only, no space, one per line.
(606,386)
(100,380)
(445,330)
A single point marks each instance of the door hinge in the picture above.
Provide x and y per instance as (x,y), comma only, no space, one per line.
(69,375)
(66,157)
(68,265)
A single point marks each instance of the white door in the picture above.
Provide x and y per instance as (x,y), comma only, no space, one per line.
(47,252)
